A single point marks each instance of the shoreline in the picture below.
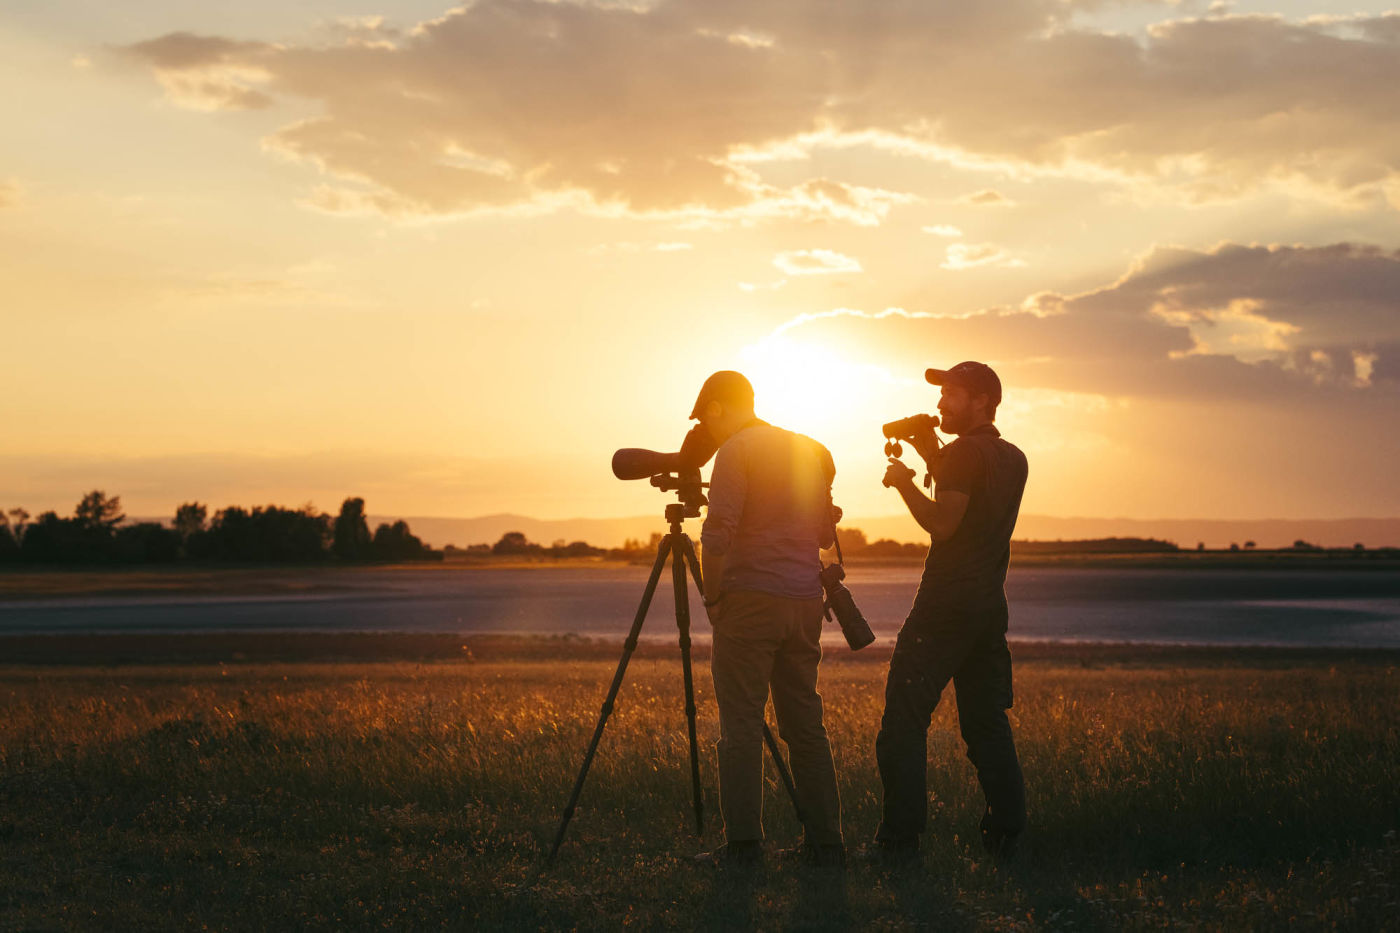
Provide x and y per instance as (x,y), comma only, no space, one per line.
(26,582)
(235,648)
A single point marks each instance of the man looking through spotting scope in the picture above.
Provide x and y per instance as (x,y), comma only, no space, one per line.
(769,515)
(956,629)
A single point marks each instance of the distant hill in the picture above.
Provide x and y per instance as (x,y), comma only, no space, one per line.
(1214,533)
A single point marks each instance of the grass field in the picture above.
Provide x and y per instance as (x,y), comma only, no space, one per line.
(1210,791)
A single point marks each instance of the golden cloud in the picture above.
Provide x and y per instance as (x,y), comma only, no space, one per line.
(975,255)
(673,106)
(815,262)
(1268,322)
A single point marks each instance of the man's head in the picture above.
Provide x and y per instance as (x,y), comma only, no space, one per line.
(971,394)
(724,405)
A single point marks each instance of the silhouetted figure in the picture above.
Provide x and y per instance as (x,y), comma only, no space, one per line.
(956,629)
(770,513)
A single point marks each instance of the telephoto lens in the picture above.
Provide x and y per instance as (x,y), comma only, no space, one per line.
(840,601)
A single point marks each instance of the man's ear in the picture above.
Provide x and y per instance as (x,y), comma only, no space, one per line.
(714,409)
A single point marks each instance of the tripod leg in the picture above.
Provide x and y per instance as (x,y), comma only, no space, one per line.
(627,648)
(688,550)
(783,772)
(680,545)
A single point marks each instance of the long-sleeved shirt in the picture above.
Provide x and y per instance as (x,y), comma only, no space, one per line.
(770,511)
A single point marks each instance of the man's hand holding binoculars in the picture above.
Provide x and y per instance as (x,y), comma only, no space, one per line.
(918,431)
(897,473)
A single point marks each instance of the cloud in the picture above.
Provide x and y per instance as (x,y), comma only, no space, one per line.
(1270,323)
(10,192)
(208,72)
(672,106)
(988,197)
(815,262)
(974,255)
(947,230)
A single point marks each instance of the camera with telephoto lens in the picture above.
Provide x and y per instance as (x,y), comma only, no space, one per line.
(840,601)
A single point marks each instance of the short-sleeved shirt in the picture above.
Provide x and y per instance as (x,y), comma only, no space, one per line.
(770,511)
(968,569)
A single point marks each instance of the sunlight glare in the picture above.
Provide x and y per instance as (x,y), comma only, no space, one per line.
(810,387)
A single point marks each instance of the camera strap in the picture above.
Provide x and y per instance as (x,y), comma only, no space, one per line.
(836,542)
(938,446)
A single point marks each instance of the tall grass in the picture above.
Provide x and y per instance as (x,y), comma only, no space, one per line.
(381,795)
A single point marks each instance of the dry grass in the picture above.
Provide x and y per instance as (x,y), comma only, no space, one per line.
(367,795)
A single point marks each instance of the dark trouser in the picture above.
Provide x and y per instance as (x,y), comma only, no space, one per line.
(765,642)
(970,650)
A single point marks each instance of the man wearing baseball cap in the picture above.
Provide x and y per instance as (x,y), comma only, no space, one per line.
(769,515)
(956,629)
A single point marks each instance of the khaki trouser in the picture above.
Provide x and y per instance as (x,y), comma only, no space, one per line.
(764,641)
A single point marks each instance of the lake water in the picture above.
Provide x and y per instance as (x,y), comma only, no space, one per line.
(1312,607)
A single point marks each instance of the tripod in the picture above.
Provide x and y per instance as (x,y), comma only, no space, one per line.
(677,545)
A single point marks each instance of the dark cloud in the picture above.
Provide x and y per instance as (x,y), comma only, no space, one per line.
(1237,321)
(182,50)
(207,72)
(987,196)
(515,101)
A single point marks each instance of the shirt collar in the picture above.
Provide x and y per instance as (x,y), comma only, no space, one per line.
(987,428)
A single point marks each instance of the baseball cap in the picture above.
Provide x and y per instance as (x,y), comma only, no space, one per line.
(726,387)
(977,378)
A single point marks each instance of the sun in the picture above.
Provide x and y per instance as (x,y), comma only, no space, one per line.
(810,387)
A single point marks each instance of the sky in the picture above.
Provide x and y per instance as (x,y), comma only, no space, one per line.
(449,258)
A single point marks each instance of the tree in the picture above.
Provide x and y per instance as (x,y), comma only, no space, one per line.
(574,549)
(98,514)
(513,542)
(51,539)
(146,543)
(268,534)
(1249,545)
(9,543)
(396,542)
(352,540)
(852,540)
(18,519)
(190,520)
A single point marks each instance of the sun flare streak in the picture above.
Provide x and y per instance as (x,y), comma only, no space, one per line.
(810,387)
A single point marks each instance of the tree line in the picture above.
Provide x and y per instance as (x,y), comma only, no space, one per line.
(854,543)
(96,534)
(514,544)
